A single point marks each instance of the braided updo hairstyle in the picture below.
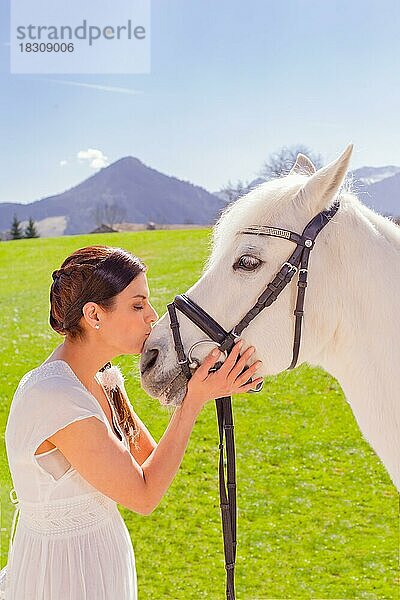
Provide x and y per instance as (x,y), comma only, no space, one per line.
(93,274)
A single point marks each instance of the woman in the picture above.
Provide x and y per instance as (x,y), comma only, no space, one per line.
(75,446)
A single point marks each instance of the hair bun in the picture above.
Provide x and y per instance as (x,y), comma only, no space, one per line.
(57,274)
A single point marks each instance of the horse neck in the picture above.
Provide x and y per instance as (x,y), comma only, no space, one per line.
(363,350)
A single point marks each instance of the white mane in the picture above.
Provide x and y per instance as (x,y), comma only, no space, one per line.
(265,204)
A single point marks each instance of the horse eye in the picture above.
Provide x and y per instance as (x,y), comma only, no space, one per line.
(247,263)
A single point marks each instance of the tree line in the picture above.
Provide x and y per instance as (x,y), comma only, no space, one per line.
(17,232)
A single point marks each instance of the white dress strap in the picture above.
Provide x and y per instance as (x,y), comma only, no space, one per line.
(17,509)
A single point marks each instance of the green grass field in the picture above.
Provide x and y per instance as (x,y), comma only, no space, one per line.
(317,513)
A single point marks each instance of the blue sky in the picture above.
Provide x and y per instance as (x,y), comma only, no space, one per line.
(230,82)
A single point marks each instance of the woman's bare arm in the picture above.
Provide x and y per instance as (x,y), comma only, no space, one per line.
(96,453)
(145,443)
(105,462)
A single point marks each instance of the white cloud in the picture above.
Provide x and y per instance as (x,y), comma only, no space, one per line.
(63,163)
(98,163)
(93,86)
(95,158)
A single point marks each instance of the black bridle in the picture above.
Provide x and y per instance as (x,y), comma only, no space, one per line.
(297,262)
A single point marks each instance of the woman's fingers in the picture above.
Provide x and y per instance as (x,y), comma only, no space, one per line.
(232,358)
(249,372)
(209,361)
(232,376)
(241,363)
(228,379)
(249,386)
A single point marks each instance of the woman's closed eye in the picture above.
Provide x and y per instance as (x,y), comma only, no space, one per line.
(138,307)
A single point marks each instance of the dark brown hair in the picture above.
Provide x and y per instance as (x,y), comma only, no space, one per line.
(93,274)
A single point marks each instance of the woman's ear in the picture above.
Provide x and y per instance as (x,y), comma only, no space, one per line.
(91,314)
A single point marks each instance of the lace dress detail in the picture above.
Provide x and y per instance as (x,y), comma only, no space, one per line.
(55,367)
(70,540)
(65,517)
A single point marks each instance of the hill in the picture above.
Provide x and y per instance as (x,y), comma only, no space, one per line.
(140,192)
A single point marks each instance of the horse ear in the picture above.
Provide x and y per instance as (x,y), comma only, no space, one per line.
(322,186)
(303,165)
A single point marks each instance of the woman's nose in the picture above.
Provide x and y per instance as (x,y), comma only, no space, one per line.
(153,316)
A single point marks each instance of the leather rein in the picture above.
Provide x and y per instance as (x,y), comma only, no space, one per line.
(296,263)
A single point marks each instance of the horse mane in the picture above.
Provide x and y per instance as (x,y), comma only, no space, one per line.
(382,225)
(260,208)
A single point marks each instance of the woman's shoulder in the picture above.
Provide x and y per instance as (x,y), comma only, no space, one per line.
(51,383)
(48,389)
(43,376)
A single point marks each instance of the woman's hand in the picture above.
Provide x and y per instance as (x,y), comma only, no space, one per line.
(229,379)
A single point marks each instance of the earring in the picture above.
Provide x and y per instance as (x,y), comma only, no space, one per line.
(97,326)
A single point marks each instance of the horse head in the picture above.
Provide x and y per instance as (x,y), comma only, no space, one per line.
(241,265)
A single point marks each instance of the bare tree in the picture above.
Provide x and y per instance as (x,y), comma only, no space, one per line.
(279,163)
(232,192)
(109,213)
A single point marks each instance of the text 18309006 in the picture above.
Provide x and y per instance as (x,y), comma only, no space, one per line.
(46,47)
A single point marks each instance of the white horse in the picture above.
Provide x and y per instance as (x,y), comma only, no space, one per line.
(351,322)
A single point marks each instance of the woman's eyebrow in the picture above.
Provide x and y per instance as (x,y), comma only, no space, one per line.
(139,296)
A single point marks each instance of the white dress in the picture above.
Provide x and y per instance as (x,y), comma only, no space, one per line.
(70,542)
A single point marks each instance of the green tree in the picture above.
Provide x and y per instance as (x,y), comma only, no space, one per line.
(16,229)
(30,230)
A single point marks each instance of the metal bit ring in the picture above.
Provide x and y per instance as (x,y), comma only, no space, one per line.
(194,362)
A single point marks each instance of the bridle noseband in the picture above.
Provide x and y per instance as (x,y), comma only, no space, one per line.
(296,263)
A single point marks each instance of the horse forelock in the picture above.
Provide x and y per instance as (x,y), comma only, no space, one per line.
(263,205)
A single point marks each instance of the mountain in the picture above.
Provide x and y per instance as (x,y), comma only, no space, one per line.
(377,187)
(140,192)
(383,196)
(368,175)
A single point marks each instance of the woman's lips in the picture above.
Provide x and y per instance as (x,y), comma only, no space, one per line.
(144,340)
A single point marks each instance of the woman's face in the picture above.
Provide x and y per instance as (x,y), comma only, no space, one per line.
(126,327)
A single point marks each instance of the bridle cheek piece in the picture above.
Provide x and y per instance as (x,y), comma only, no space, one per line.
(296,263)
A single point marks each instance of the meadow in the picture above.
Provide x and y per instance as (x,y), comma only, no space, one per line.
(318,516)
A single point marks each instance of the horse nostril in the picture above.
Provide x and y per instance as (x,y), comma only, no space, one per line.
(148,360)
